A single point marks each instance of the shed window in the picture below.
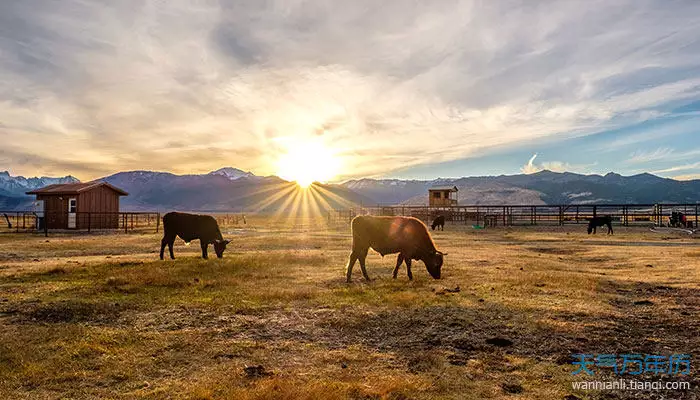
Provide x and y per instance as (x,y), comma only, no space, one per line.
(72,205)
(436,195)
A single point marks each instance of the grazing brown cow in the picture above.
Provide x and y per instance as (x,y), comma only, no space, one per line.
(407,236)
(190,227)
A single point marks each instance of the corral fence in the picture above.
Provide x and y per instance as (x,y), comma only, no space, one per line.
(45,222)
(127,222)
(512,215)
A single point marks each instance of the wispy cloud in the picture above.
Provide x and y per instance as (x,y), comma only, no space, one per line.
(641,156)
(676,168)
(114,83)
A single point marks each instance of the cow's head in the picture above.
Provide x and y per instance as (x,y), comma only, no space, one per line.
(433,262)
(220,246)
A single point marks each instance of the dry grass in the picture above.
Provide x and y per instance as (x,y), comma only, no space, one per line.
(100,316)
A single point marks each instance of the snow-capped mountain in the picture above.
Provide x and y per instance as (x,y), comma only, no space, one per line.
(18,185)
(233,173)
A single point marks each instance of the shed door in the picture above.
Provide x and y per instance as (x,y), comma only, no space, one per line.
(72,210)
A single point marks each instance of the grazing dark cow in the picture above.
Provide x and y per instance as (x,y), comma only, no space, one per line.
(190,227)
(439,222)
(407,236)
(595,222)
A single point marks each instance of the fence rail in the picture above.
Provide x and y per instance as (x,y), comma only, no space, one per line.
(511,215)
(32,221)
(45,222)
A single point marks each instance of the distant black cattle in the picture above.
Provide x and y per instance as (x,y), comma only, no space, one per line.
(595,222)
(679,220)
(190,227)
(439,222)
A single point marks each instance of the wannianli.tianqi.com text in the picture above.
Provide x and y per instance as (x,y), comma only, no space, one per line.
(630,384)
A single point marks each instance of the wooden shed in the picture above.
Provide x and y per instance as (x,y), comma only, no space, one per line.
(79,205)
(442,196)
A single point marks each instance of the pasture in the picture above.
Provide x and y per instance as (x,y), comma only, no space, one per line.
(86,316)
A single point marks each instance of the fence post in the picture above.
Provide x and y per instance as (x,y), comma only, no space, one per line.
(561,216)
(89,221)
(124,221)
(157,222)
(46,224)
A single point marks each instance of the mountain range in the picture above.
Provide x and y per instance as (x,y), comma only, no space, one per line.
(232,189)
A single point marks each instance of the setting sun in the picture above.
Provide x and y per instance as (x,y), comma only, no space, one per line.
(308,162)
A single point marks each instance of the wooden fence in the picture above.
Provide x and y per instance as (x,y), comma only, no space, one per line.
(43,222)
(511,215)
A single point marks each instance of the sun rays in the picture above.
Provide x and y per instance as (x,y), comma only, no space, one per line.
(288,201)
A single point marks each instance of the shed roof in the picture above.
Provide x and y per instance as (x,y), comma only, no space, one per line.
(443,188)
(75,188)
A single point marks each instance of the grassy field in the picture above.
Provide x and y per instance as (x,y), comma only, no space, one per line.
(89,316)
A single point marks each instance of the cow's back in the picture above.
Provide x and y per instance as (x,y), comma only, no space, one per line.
(389,235)
(191,226)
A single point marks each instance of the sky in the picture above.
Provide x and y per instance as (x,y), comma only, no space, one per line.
(405,89)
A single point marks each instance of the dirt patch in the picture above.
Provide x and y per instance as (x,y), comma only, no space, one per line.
(74,311)
(557,250)
(598,259)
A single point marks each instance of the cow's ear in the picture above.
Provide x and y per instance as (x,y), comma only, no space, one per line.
(227,241)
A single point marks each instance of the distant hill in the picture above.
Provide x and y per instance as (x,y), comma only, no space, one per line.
(232,189)
(545,187)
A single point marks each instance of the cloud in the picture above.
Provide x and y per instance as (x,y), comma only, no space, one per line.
(638,157)
(391,84)
(676,168)
(687,177)
(530,167)
(554,166)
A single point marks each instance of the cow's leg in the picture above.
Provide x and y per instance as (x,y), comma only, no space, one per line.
(399,260)
(361,257)
(204,245)
(351,263)
(408,269)
(171,242)
(163,243)
(610,229)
